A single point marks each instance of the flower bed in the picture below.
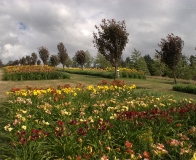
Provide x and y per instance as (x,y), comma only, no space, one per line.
(32,73)
(108,73)
(107,121)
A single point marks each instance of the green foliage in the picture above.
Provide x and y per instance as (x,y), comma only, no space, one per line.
(1,64)
(130,75)
(149,62)
(111,40)
(44,54)
(54,60)
(89,60)
(101,62)
(33,58)
(62,54)
(28,60)
(81,58)
(171,52)
(92,73)
(23,61)
(35,76)
(187,88)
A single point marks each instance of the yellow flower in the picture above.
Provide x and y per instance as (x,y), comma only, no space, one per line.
(194,156)
(10,129)
(24,127)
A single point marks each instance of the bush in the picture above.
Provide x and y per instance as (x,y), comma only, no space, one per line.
(187,88)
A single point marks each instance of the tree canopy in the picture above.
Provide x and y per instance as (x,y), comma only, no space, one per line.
(44,54)
(62,54)
(81,58)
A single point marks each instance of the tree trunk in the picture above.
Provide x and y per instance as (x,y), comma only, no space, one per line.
(63,66)
(174,73)
(115,74)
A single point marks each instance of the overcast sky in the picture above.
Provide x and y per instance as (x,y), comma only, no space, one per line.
(26,25)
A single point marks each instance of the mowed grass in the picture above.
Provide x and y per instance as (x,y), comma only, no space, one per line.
(151,84)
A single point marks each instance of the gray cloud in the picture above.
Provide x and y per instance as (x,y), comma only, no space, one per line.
(27,25)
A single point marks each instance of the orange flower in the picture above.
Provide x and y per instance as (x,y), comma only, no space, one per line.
(104,158)
(78,157)
(128,144)
(146,154)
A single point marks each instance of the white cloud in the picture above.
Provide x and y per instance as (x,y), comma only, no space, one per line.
(26,25)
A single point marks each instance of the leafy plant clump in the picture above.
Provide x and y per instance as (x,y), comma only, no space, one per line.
(187,88)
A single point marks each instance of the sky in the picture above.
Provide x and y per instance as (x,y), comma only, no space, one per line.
(26,25)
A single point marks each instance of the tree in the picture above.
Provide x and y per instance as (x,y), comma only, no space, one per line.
(62,54)
(171,52)
(149,62)
(101,62)
(33,58)
(134,58)
(81,58)
(192,60)
(68,62)
(111,40)
(44,54)
(28,60)
(74,61)
(16,62)
(23,61)
(89,60)
(183,70)
(1,64)
(10,63)
(141,65)
(128,62)
(54,60)
(38,62)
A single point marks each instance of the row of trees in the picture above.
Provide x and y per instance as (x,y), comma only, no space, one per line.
(186,67)
(110,41)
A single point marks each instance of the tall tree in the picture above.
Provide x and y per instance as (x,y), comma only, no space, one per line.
(38,62)
(33,58)
(23,61)
(44,54)
(89,60)
(183,70)
(192,60)
(74,61)
(171,52)
(149,62)
(28,59)
(54,60)
(141,65)
(81,58)
(128,62)
(101,62)
(1,64)
(63,55)
(68,62)
(16,62)
(134,58)
(111,40)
